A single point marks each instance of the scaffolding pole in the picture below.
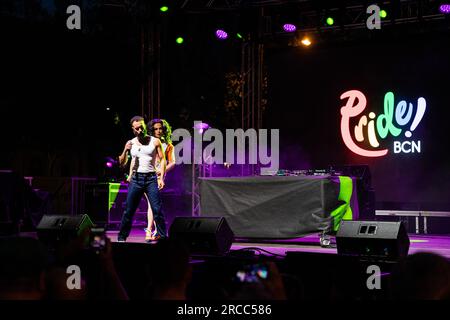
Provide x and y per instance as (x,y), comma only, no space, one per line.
(151,70)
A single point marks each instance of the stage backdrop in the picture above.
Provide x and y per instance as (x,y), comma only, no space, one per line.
(404,81)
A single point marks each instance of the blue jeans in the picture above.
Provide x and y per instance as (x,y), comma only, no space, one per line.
(139,184)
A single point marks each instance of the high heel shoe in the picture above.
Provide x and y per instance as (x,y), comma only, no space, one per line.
(148,235)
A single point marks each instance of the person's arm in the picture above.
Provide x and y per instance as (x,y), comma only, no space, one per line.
(274,282)
(123,158)
(130,171)
(113,283)
(170,159)
(162,163)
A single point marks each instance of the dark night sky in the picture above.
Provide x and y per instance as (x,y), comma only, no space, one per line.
(57,84)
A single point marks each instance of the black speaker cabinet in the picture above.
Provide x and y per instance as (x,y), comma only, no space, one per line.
(203,235)
(380,240)
(62,227)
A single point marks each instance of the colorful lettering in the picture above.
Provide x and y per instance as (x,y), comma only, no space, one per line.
(349,111)
(387,117)
(381,126)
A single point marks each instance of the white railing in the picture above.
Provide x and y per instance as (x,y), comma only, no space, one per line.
(416,214)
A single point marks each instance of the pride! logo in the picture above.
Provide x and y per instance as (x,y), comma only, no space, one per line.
(373,127)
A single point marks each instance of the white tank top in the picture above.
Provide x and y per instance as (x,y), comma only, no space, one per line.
(144,156)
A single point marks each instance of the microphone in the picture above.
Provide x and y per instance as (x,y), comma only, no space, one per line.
(127,152)
(130,142)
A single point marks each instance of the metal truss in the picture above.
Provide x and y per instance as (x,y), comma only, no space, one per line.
(199,171)
(350,14)
(151,70)
(311,18)
(252,54)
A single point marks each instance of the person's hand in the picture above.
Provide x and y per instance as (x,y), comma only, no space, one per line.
(127,146)
(115,288)
(274,283)
(160,184)
(75,246)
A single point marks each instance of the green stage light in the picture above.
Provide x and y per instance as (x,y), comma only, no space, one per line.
(330,21)
(383,14)
(239,35)
(179,40)
(164,9)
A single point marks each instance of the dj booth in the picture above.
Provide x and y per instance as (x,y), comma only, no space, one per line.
(280,206)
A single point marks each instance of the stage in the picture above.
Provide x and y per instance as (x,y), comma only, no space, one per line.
(307,270)
(439,244)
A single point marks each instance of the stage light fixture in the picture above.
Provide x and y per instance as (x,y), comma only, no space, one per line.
(201,127)
(164,9)
(383,14)
(221,34)
(179,40)
(330,21)
(306,41)
(444,8)
(110,162)
(239,36)
(289,27)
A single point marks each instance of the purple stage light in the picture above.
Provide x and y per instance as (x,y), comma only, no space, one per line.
(201,127)
(289,27)
(222,35)
(110,162)
(445,8)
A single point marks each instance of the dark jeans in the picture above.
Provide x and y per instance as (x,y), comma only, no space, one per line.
(139,184)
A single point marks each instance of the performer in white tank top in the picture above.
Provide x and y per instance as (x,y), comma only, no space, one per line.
(145,151)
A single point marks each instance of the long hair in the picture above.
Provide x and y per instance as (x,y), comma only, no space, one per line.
(167,130)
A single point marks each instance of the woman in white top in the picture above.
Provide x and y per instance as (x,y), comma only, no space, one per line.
(159,128)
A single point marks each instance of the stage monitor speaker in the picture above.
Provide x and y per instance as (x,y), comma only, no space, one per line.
(62,227)
(203,235)
(379,240)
